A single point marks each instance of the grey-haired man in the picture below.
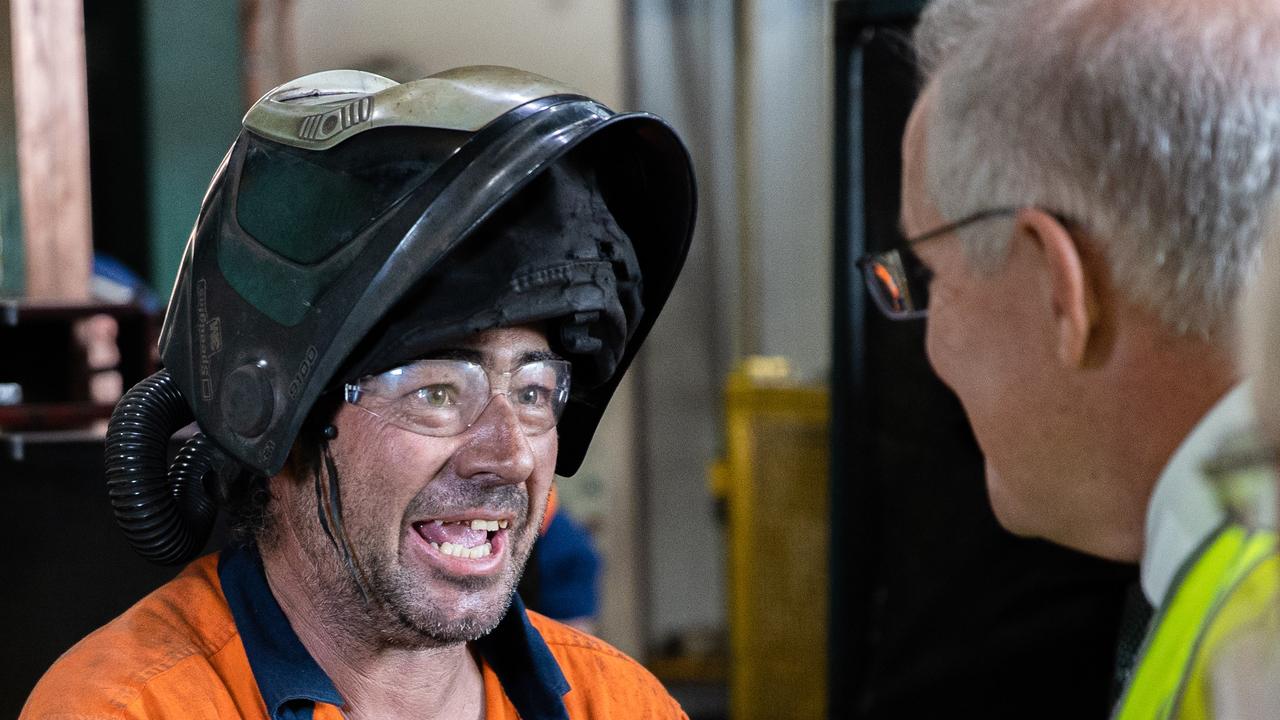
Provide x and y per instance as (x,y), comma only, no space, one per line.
(1082,186)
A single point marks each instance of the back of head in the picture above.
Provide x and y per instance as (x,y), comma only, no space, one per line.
(1154,125)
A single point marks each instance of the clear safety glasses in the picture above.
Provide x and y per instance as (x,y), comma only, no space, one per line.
(896,279)
(443,397)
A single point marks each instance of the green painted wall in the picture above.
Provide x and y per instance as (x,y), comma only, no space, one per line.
(191,74)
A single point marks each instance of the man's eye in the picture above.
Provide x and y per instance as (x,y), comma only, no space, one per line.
(434,396)
(532,395)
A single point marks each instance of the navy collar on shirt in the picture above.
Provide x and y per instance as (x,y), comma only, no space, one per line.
(291,682)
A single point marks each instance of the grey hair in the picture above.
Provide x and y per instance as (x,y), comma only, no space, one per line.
(1153,124)
(944,26)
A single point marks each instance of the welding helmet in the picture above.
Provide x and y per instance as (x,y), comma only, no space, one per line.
(355,221)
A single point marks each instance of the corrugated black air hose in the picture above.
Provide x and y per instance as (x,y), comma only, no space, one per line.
(166,512)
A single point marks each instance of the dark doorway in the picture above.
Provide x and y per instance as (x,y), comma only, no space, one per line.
(117,131)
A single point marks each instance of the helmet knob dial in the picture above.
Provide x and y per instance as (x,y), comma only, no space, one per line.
(248,401)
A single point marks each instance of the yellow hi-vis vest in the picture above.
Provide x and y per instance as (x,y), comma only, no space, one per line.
(1229,582)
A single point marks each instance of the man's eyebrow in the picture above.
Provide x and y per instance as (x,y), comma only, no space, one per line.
(537,356)
(474,356)
(477,357)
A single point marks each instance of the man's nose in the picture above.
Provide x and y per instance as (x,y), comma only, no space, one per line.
(496,447)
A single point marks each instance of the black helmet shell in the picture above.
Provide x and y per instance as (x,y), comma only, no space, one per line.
(258,327)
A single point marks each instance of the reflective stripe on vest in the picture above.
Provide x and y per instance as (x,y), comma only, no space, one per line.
(1204,588)
(1250,608)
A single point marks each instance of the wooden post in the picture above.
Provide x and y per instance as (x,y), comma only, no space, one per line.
(270,52)
(52,109)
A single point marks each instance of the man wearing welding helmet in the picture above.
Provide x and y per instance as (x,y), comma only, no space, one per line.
(403,309)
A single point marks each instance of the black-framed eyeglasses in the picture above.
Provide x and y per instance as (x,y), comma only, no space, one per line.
(896,279)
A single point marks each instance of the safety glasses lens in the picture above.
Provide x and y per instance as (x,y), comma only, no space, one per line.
(440,398)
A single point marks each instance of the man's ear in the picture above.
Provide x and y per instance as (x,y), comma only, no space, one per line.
(1073,302)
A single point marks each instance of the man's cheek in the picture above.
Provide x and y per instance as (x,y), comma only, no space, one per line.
(545,451)
(938,348)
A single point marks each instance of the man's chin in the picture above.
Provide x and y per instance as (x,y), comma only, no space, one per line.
(464,629)
(443,624)
(1008,511)
(440,607)
(452,609)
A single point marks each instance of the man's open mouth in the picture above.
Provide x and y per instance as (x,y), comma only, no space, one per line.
(472,538)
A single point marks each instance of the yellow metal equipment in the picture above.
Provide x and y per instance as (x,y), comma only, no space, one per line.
(773,480)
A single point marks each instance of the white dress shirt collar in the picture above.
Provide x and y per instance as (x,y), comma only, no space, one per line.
(1184,510)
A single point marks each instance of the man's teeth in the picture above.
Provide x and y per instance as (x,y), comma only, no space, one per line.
(474,553)
(478,524)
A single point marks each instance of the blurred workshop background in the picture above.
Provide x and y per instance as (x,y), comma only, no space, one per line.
(787,506)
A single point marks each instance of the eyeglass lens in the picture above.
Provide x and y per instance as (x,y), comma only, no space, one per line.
(899,283)
(440,398)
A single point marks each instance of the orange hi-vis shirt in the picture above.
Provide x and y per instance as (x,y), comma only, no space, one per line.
(214,643)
